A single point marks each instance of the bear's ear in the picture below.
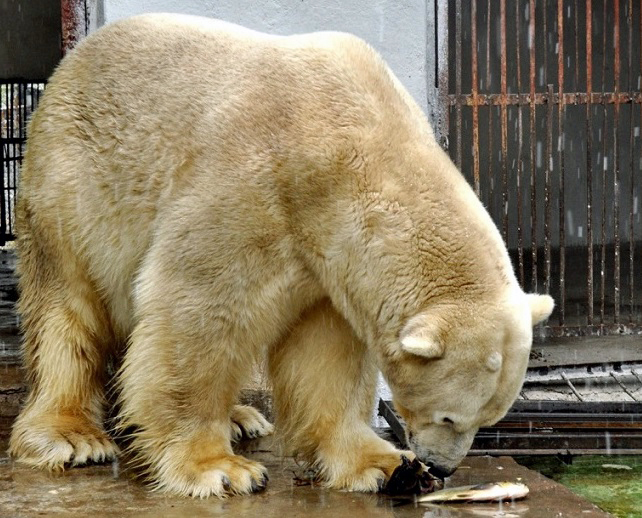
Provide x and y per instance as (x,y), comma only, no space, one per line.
(541,307)
(423,347)
(420,337)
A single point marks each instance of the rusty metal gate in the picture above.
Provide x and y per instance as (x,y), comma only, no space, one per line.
(540,106)
(18,99)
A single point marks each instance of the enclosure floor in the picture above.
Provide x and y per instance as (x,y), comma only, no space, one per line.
(100,491)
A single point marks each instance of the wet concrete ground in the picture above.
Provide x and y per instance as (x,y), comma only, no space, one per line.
(101,491)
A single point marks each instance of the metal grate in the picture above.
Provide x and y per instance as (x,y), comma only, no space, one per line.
(18,99)
(544,112)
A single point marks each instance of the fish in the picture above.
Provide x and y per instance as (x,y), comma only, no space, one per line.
(488,492)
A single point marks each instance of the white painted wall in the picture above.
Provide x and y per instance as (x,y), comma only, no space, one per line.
(396,28)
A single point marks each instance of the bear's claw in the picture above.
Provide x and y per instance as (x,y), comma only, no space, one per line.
(248,422)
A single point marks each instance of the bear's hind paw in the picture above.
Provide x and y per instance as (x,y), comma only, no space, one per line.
(59,442)
(248,422)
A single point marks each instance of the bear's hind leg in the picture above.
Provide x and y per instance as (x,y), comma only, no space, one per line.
(65,345)
(324,380)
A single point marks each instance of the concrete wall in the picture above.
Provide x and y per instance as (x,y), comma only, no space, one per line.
(396,28)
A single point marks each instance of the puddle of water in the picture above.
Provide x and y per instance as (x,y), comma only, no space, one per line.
(613,483)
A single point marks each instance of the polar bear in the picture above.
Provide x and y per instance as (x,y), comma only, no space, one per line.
(197,197)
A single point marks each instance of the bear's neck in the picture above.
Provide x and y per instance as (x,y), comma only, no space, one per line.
(387,246)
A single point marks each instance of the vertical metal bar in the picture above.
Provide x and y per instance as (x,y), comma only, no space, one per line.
(629,22)
(531,43)
(475,80)
(545,46)
(520,208)
(616,160)
(73,14)
(491,180)
(458,71)
(603,167)
(589,157)
(577,48)
(547,189)
(504,122)
(3,162)
(437,69)
(560,149)
(488,77)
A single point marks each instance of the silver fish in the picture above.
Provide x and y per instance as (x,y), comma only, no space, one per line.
(489,492)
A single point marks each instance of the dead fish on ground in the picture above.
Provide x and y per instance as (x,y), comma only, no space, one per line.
(489,492)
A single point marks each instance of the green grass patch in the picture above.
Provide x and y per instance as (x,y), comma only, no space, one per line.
(613,483)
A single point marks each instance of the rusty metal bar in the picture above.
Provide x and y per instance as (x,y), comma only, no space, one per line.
(589,159)
(633,175)
(604,169)
(488,77)
(504,122)
(560,150)
(616,173)
(74,22)
(545,46)
(629,22)
(458,38)
(547,193)
(577,48)
(475,80)
(574,98)
(520,208)
(491,180)
(531,43)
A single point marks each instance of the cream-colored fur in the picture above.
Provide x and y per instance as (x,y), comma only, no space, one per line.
(196,197)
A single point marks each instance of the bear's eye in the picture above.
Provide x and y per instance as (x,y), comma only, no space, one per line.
(447,420)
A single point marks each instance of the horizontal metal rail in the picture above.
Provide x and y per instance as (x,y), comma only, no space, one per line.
(573,98)
(549,428)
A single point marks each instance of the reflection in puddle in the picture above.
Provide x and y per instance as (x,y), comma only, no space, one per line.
(515,510)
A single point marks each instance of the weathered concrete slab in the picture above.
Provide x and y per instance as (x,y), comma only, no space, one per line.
(586,350)
(101,491)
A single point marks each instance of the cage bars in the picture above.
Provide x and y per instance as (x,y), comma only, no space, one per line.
(609,183)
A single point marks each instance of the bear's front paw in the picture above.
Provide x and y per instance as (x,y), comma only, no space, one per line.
(249,422)
(391,472)
(220,476)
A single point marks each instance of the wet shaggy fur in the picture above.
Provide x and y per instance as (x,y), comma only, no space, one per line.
(197,197)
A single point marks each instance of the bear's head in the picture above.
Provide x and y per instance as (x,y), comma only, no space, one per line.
(456,368)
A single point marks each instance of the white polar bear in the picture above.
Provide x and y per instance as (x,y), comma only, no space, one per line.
(196,197)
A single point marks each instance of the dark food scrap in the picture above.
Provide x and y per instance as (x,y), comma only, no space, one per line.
(411,478)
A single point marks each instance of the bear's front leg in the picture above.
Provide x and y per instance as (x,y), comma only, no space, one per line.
(323,379)
(179,383)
